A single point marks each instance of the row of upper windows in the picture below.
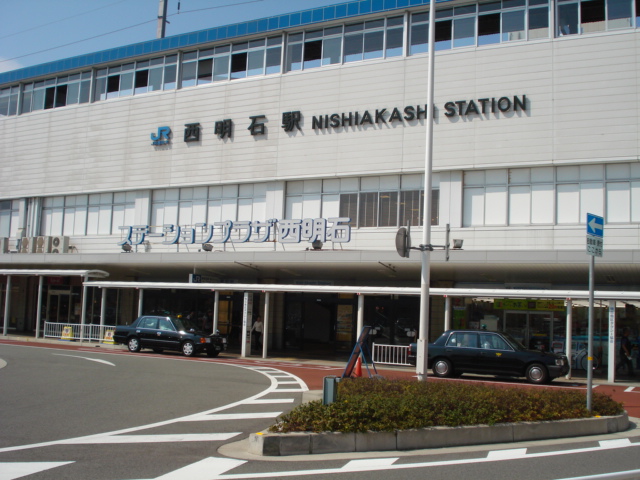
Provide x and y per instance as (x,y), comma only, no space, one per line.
(478,24)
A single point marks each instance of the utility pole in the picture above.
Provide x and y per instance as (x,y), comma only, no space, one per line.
(162,18)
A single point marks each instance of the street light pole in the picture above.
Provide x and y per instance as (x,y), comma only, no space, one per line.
(425,247)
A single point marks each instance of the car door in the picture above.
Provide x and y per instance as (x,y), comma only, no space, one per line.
(167,335)
(462,349)
(497,356)
(147,327)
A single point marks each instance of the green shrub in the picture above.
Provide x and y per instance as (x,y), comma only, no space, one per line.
(378,405)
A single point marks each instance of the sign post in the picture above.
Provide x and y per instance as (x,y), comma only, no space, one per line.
(595,233)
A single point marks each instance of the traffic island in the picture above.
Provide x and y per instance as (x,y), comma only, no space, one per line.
(303,443)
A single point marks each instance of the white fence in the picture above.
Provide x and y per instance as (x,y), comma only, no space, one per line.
(391,354)
(76,331)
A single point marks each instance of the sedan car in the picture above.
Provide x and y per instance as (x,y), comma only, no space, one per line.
(168,333)
(493,353)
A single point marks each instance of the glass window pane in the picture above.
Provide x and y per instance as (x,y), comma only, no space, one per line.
(353,48)
(419,39)
(539,23)
(568,204)
(273,60)
(443,35)
(170,73)
(205,71)
(373,45)
(312,54)
(568,19)
(618,202)
(368,211)
(221,69)
(155,79)
(388,209)
(189,74)
(619,14)
(513,26)
(238,65)
(73,91)
(592,16)
(294,57)
(464,32)
(520,205)
(542,204)
(394,42)
(489,29)
(255,63)
(331,51)
(473,213)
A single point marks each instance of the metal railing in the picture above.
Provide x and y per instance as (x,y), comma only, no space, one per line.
(391,354)
(76,331)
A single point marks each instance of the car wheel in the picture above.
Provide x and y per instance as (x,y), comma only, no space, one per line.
(188,349)
(133,344)
(213,353)
(537,373)
(442,368)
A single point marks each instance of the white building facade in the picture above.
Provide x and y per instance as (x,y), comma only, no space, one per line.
(291,149)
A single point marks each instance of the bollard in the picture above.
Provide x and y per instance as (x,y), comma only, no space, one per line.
(330,389)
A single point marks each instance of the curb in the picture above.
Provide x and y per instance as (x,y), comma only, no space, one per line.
(302,443)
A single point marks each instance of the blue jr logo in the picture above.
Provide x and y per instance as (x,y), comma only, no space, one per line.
(163,136)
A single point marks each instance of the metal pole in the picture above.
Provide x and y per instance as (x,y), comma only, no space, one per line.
(590,338)
(103,312)
(425,253)
(360,321)
(611,356)
(39,307)
(7,306)
(140,301)
(447,312)
(569,335)
(83,315)
(265,324)
(162,18)
(216,310)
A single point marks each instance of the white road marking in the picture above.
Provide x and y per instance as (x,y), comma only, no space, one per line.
(232,416)
(178,437)
(630,389)
(203,470)
(507,454)
(122,434)
(367,464)
(86,358)
(618,442)
(270,401)
(13,470)
(388,464)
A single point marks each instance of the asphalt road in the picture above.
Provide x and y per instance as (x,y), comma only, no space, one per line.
(79,413)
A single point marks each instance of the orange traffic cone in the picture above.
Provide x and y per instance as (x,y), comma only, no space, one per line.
(358,370)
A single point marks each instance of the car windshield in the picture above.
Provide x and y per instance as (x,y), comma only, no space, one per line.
(513,342)
(184,324)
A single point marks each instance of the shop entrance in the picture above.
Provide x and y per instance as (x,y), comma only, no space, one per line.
(535,330)
(59,306)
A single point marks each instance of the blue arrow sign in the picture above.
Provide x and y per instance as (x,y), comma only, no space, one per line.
(595,225)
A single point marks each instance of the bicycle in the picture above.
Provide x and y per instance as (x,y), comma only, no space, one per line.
(580,360)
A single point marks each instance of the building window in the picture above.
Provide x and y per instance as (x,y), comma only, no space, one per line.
(9,101)
(354,42)
(388,201)
(56,92)
(9,218)
(588,16)
(136,78)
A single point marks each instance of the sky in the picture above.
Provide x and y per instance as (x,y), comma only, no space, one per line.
(39,31)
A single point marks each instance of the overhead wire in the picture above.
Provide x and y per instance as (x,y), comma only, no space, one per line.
(111,32)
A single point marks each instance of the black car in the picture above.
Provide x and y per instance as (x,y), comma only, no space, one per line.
(168,333)
(493,353)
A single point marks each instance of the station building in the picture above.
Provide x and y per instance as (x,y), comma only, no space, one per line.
(289,150)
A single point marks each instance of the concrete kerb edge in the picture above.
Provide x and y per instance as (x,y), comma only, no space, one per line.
(284,444)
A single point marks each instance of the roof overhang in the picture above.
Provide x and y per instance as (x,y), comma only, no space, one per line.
(55,273)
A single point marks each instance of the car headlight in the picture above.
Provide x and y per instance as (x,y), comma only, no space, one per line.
(561,361)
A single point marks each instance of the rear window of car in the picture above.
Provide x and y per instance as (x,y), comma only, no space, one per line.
(463,339)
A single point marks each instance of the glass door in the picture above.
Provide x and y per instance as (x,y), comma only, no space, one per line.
(535,330)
